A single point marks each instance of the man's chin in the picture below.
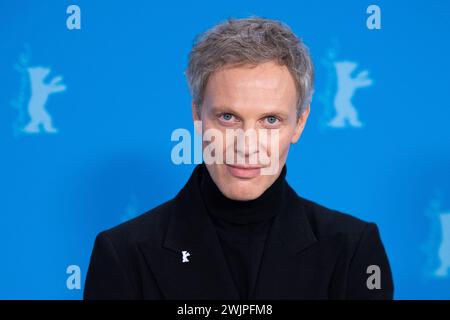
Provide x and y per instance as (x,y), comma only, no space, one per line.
(242,193)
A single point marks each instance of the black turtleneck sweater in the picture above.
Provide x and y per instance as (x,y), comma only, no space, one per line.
(242,227)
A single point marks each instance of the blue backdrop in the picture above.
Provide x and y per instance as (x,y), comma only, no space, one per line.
(85,152)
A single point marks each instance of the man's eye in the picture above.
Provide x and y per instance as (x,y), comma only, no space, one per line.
(227,116)
(272,120)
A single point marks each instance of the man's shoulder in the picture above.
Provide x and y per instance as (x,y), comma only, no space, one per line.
(327,222)
(150,224)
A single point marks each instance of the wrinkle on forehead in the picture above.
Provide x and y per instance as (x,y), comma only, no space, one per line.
(266,87)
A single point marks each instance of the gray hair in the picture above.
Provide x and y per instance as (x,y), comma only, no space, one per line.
(249,41)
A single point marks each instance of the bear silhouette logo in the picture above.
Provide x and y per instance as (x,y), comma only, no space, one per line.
(346,87)
(436,248)
(444,247)
(40,91)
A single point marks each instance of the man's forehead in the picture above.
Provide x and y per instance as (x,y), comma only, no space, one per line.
(265,76)
(251,88)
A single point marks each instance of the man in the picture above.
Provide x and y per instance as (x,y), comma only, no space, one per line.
(237,230)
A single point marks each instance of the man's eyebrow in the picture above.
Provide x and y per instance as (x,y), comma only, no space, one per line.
(279,114)
(219,109)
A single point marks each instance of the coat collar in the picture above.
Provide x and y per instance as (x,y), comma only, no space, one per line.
(206,275)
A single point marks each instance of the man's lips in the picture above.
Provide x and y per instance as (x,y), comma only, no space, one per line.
(246,167)
(244,171)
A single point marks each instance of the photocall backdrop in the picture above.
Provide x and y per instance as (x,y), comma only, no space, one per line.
(91,92)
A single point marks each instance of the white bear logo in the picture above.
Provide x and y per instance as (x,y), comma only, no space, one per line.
(185,256)
(444,248)
(346,87)
(40,90)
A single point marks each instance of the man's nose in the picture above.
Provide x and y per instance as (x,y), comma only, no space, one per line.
(246,144)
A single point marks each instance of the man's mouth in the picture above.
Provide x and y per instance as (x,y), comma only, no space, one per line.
(244,171)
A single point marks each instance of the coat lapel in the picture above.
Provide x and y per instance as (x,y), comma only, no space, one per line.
(285,271)
(206,274)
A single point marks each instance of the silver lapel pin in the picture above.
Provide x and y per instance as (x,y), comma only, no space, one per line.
(185,254)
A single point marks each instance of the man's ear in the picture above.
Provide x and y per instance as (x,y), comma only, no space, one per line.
(300,125)
(196,118)
(194,111)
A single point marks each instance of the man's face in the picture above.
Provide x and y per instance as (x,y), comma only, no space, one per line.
(261,97)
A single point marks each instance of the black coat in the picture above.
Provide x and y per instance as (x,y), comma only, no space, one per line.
(312,252)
